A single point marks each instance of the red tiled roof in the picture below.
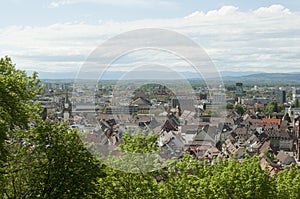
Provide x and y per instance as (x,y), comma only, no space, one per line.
(271,120)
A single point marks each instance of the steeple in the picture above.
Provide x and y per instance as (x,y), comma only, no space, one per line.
(67,106)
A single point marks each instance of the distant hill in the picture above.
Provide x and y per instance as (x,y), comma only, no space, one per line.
(266,78)
(250,77)
(239,73)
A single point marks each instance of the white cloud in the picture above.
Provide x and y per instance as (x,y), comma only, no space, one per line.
(223,11)
(266,39)
(272,9)
(195,14)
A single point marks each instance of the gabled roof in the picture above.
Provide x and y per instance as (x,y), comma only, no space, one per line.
(264,148)
(212,131)
(239,152)
(187,114)
(203,136)
(141,102)
(285,158)
(169,126)
(271,121)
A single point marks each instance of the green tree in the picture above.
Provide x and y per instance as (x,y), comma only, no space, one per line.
(241,109)
(69,170)
(229,106)
(271,108)
(132,174)
(17,108)
(190,178)
(186,178)
(42,161)
(235,179)
(288,183)
(50,161)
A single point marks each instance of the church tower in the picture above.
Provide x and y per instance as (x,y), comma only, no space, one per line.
(67,107)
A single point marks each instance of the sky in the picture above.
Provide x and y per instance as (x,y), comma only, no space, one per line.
(59,35)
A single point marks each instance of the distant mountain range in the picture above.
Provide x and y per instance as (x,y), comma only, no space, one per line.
(266,78)
(239,73)
(227,76)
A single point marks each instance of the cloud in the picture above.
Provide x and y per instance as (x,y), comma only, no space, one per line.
(266,39)
(272,9)
(224,11)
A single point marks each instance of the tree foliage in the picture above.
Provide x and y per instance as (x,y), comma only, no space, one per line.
(288,183)
(272,107)
(229,106)
(17,108)
(49,161)
(131,174)
(42,161)
(241,109)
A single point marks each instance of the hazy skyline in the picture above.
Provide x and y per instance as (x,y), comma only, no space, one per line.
(58,35)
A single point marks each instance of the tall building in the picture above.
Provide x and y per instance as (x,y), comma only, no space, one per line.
(280,96)
(239,90)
